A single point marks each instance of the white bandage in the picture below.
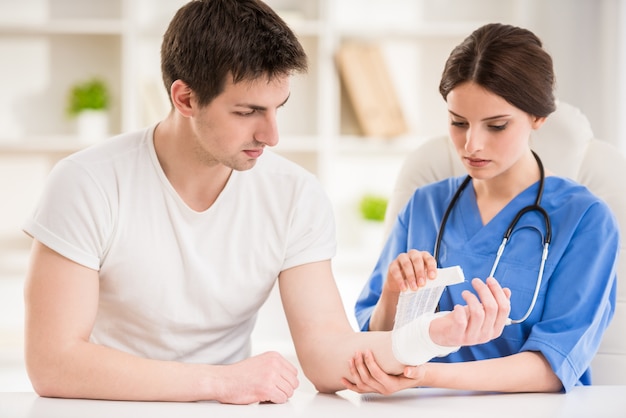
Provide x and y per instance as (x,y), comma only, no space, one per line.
(412,345)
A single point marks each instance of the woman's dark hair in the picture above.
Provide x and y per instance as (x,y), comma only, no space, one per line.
(209,40)
(509,62)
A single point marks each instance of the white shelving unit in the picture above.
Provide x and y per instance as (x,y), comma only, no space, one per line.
(55,43)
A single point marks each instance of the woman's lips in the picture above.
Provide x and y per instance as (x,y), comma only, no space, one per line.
(476,162)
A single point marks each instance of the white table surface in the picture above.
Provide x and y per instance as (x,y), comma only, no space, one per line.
(591,401)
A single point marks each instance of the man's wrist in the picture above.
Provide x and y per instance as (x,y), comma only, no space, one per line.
(412,344)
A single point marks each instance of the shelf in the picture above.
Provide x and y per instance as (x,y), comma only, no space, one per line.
(351,144)
(297,143)
(421,31)
(54,144)
(287,144)
(65,27)
(62,41)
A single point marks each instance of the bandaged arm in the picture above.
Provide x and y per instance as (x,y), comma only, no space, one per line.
(412,344)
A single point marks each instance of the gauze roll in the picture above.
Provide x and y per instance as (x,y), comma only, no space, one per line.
(412,345)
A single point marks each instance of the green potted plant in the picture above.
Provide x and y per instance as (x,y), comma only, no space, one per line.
(373,207)
(88,102)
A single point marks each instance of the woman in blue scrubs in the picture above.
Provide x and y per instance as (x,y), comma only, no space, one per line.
(498,86)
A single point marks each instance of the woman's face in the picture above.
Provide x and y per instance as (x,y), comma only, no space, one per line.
(490,134)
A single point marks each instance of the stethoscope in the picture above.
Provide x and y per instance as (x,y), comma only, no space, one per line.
(507,235)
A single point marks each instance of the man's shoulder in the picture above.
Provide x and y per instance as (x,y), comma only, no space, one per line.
(113,148)
(106,163)
(275,176)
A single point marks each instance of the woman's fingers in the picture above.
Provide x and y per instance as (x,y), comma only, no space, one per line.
(488,312)
(410,270)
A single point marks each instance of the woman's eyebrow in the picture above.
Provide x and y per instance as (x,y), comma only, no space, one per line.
(485,119)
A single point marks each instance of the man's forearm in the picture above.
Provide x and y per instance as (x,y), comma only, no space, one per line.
(325,361)
(384,313)
(91,371)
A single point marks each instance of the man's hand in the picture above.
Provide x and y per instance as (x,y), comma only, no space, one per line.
(267,377)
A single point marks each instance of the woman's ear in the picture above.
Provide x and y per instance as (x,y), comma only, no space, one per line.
(537,121)
(181,96)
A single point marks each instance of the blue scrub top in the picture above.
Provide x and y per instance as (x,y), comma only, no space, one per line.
(577,297)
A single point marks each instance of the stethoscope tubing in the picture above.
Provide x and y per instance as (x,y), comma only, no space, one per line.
(536,207)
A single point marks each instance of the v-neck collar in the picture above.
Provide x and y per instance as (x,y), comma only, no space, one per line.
(170,188)
(471,221)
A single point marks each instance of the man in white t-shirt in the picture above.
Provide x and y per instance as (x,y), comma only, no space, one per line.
(154,250)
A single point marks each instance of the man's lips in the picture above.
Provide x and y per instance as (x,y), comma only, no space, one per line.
(254,153)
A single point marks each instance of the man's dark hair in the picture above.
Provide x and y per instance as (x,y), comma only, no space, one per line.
(210,40)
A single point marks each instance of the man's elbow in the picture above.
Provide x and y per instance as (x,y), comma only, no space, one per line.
(326,389)
(42,385)
(45,377)
(321,382)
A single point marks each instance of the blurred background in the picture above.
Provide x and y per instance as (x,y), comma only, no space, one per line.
(60,56)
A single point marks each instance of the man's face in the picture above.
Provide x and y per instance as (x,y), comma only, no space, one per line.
(236,126)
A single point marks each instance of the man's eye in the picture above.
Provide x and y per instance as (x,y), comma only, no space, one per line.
(246,113)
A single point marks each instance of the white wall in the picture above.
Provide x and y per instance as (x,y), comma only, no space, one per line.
(621,70)
(584,39)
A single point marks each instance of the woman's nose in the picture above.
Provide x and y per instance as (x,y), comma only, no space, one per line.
(473,141)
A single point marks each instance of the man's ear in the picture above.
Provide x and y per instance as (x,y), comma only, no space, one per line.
(181,96)
(537,121)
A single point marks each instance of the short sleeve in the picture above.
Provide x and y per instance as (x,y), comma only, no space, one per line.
(72,216)
(581,299)
(312,231)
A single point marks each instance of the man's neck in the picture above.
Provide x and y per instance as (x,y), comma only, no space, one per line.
(197,183)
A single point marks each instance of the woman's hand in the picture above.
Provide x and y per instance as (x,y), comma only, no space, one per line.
(481,320)
(366,376)
(410,270)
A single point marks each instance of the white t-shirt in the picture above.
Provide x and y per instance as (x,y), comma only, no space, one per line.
(176,284)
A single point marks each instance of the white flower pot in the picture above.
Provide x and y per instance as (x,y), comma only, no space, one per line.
(92,126)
